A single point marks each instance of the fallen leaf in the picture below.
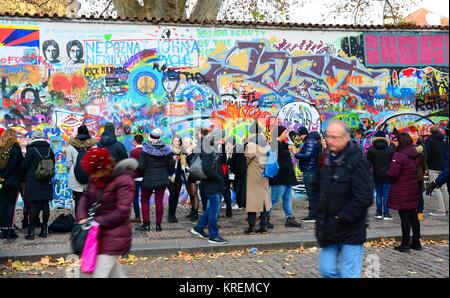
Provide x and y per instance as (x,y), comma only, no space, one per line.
(259,261)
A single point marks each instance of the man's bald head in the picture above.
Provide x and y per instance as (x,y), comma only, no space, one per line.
(337,135)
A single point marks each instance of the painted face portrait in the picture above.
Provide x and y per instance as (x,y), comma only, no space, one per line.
(75,52)
(170,82)
(51,51)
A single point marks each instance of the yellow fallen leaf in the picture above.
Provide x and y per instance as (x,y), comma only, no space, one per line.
(259,261)
(289,273)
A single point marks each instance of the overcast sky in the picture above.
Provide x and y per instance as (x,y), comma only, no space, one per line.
(316,7)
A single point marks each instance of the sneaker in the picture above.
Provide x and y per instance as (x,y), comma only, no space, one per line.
(250,231)
(200,233)
(437,214)
(387,217)
(420,216)
(173,219)
(158,228)
(218,240)
(378,215)
(308,220)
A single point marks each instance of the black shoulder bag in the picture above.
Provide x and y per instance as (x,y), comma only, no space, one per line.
(80,231)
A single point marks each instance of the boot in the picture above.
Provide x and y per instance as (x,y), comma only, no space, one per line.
(172,219)
(144,228)
(4,234)
(158,228)
(415,244)
(262,229)
(291,222)
(194,216)
(12,234)
(250,231)
(30,235)
(269,224)
(189,216)
(402,248)
(44,231)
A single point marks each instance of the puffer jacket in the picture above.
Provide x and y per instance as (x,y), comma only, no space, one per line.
(435,146)
(113,215)
(116,148)
(404,191)
(443,177)
(309,155)
(286,174)
(380,156)
(155,164)
(81,142)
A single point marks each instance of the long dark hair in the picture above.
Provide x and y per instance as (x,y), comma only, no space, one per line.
(404,140)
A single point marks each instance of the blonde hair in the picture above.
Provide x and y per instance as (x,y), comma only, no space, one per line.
(8,135)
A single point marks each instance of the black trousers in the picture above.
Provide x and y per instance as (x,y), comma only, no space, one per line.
(409,220)
(252,218)
(8,197)
(174,190)
(227,197)
(35,210)
(76,197)
(239,187)
(421,190)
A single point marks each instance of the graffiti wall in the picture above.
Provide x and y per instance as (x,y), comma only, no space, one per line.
(56,76)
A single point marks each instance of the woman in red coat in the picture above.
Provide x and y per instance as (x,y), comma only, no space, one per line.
(404,191)
(113,185)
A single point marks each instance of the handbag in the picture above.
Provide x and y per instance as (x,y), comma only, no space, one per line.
(90,250)
(80,231)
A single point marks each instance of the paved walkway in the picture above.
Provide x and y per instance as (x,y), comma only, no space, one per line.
(175,237)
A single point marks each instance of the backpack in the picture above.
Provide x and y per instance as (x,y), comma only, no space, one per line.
(196,169)
(46,167)
(272,166)
(80,175)
(62,224)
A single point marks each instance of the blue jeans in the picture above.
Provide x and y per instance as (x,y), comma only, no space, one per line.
(313,197)
(137,211)
(382,195)
(351,259)
(284,192)
(211,215)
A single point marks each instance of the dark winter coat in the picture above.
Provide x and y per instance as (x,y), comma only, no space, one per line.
(10,173)
(443,177)
(346,192)
(212,167)
(116,148)
(286,174)
(37,190)
(309,155)
(155,164)
(380,156)
(113,215)
(435,146)
(404,191)
(238,163)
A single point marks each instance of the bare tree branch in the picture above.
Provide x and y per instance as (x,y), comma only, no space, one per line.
(106,8)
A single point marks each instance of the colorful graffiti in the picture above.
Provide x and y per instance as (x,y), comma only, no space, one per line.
(57,76)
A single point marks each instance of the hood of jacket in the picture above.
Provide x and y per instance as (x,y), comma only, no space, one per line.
(39,143)
(108,139)
(156,149)
(82,144)
(313,135)
(410,151)
(126,165)
(380,142)
(437,136)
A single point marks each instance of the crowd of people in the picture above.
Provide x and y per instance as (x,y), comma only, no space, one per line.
(340,182)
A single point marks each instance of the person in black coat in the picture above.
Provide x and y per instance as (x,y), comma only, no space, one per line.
(435,147)
(10,180)
(109,141)
(238,166)
(155,163)
(380,156)
(38,193)
(345,187)
(309,157)
(281,184)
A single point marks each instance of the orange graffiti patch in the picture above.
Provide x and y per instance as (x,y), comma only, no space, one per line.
(68,84)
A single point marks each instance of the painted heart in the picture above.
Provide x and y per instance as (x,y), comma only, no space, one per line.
(107,37)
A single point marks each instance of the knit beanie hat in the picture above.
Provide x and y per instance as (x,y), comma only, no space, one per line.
(96,159)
